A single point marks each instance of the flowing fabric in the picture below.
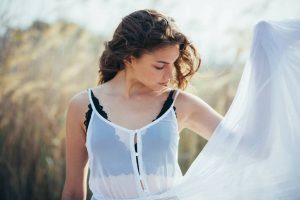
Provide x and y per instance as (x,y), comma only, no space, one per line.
(254,153)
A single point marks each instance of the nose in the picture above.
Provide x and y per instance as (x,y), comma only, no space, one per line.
(168,74)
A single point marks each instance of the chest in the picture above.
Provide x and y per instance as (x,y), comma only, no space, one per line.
(137,113)
(134,113)
(105,134)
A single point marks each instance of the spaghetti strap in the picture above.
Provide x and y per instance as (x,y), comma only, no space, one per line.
(91,97)
(177,91)
(89,90)
(94,101)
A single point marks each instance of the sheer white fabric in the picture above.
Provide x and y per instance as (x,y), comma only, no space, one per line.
(114,171)
(254,153)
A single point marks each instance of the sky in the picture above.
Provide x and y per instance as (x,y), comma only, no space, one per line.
(219,29)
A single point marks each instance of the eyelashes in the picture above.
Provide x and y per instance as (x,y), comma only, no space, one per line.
(159,68)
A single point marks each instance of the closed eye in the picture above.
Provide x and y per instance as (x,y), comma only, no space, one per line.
(159,68)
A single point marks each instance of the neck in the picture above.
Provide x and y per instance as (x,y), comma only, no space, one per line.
(127,86)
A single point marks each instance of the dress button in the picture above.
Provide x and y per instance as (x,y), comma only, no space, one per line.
(136,153)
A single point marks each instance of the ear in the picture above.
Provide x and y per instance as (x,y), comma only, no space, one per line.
(129,60)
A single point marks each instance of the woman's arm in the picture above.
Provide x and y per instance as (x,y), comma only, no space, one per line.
(76,153)
(199,116)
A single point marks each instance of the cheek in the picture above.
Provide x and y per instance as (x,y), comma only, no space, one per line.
(149,74)
(154,75)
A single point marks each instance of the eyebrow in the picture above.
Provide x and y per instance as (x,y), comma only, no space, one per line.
(160,61)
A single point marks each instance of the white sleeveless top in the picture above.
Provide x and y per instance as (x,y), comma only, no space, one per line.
(117,171)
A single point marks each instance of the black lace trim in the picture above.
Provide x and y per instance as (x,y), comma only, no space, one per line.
(98,107)
(88,115)
(175,111)
(100,110)
(166,105)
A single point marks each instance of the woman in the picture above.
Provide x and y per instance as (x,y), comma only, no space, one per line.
(128,125)
(252,153)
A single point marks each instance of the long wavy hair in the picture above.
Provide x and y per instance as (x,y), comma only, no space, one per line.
(144,31)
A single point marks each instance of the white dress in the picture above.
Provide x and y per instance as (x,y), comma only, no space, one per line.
(114,171)
(254,153)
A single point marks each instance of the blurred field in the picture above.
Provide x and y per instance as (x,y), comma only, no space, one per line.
(40,69)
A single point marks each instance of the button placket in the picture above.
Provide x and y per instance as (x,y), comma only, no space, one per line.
(138,167)
(141,166)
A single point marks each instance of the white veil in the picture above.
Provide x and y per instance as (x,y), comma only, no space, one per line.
(254,153)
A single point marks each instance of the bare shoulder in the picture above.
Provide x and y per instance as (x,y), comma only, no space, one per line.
(80,100)
(195,114)
(78,106)
(187,99)
(185,103)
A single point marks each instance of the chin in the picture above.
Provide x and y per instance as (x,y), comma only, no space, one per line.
(160,88)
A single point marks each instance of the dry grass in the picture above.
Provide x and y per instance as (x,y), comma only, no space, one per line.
(41,68)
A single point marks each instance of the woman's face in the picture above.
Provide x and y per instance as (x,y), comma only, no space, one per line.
(155,69)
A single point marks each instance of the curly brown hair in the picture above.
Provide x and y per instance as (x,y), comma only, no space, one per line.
(144,31)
